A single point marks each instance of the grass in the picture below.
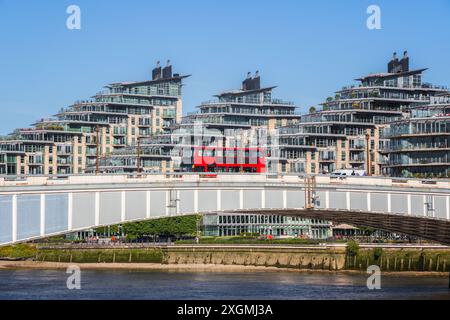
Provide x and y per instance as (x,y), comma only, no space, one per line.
(19,251)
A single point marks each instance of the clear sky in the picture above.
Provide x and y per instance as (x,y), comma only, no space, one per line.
(309,49)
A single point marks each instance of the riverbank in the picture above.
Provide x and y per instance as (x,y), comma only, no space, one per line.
(305,258)
(37,265)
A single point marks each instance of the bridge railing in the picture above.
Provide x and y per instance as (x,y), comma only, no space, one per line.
(21,181)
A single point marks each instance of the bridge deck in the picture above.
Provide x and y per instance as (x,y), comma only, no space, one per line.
(40,207)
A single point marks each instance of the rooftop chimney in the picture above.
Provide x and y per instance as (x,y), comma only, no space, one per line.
(256,81)
(167,71)
(156,73)
(247,83)
(396,66)
(405,62)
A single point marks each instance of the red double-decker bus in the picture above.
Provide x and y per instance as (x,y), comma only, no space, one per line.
(229,159)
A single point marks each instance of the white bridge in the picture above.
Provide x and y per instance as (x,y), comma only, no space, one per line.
(38,207)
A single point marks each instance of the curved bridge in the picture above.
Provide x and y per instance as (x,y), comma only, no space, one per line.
(39,207)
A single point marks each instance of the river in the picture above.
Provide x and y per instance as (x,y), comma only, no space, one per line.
(163,285)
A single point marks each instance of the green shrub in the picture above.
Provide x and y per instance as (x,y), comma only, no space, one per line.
(377,253)
(352,248)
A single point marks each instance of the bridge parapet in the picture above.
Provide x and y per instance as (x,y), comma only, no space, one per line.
(225,178)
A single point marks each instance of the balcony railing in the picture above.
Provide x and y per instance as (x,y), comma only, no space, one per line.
(427,146)
(429,161)
(275,102)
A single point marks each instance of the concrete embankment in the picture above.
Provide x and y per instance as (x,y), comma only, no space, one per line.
(282,257)
(327,258)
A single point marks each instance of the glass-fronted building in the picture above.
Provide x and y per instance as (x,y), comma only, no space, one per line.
(250,107)
(275,225)
(419,146)
(345,134)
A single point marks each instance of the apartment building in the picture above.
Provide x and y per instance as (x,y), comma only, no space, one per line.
(236,119)
(345,133)
(110,121)
(419,146)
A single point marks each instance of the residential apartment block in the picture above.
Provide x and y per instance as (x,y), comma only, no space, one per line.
(138,127)
(113,119)
(345,134)
(419,146)
(234,120)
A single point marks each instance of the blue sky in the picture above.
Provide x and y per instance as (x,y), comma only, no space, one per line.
(308,48)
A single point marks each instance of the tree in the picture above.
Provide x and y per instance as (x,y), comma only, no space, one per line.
(104,230)
(176,226)
(312,109)
(367,231)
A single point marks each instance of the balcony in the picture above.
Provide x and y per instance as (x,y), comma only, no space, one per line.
(419,147)
(121,132)
(38,162)
(441,161)
(169,114)
(64,162)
